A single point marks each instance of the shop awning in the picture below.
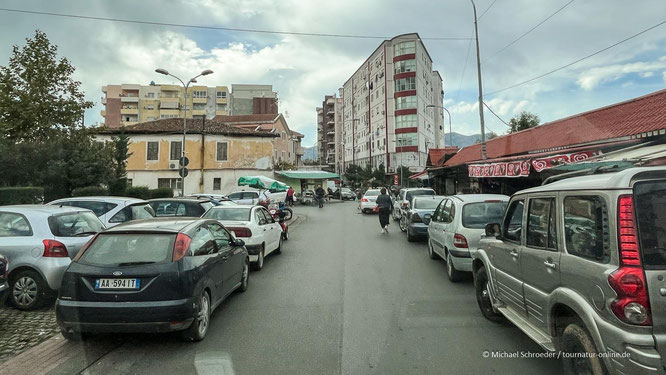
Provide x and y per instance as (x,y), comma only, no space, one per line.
(261,182)
(307,175)
(419,176)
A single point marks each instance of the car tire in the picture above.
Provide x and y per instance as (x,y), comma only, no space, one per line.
(27,290)
(259,264)
(451,271)
(431,252)
(245,276)
(199,327)
(483,297)
(576,339)
(279,248)
(402,225)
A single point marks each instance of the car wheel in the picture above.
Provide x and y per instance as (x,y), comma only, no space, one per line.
(199,327)
(28,290)
(451,271)
(279,248)
(403,225)
(259,264)
(431,252)
(483,297)
(576,341)
(245,276)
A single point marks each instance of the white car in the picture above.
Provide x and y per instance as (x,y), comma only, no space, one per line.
(254,225)
(369,200)
(405,196)
(111,210)
(248,197)
(457,225)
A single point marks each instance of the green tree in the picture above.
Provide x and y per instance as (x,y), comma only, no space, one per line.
(524,120)
(284,166)
(121,153)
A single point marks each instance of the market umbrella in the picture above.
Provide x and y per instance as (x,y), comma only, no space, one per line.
(262,182)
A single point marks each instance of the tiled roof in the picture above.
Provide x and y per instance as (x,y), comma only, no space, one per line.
(437,154)
(268,117)
(637,116)
(175,126)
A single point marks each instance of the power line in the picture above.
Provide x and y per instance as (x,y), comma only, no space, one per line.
(493,112)
(487,9)
(579,60)
(469,45)
(154,23)
(527,32)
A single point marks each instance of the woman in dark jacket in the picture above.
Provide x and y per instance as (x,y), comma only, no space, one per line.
(385,207)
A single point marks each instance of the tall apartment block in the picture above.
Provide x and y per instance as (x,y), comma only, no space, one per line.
(386,120)
(329,132)
(253,100)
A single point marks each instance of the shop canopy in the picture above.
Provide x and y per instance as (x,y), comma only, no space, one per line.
(307,175)
(262,182)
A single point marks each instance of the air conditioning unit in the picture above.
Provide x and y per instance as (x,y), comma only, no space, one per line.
(173,165)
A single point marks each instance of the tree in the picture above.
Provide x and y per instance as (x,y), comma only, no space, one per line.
(523,121)
(121,153)
(489,136)
(284,166)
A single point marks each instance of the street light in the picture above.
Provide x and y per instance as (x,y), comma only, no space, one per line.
(447,111)
(185,86)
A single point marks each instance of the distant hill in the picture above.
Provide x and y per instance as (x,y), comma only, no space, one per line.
(310,153)
(461,140)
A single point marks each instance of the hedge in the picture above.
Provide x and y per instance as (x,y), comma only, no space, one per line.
(161,193)
(141,192)
(21,195)
(90,191)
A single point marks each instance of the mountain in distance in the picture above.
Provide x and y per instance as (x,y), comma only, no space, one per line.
(461,140)
(310,153)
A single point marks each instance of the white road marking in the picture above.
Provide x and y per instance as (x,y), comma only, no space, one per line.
(213,363)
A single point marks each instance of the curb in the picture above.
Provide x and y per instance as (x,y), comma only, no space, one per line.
(51,353)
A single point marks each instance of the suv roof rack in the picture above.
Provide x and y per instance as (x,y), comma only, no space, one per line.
(584,172)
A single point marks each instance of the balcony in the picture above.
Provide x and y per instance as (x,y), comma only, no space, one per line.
(330,122)
(170,104)
(199,100)
(129,111)
(300,151)
(330,133)
(170,112)
(131,121)
(129,99)
(220,112)
(198,112)
(130,87)
(221,100)
(170,88)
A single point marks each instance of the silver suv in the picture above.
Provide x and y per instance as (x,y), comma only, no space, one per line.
(579,265)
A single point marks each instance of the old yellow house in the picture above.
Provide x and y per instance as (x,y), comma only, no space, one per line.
(218,154)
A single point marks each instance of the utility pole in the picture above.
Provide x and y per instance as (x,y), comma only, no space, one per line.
(478,68)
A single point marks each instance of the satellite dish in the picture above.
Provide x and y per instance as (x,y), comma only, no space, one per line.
(152,83)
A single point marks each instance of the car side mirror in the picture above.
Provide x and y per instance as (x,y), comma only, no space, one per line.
(493,230)
(427,216)
(239,243)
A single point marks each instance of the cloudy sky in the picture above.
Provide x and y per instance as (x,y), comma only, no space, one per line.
(302,69)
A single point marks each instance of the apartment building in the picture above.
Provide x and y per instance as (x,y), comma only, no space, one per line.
(329,132)
(129,104)
(253,100)
(385,116)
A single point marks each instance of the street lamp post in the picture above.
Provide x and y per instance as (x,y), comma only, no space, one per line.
(478,69)
(185,86)
(449,113)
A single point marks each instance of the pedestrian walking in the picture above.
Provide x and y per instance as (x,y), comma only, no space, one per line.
(319,193)
(290,196)
(385,207)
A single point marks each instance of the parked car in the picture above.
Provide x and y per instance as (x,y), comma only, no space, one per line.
(111,210)
(347,194)
(39,242)
(218,197)
(255,225)
(368,202)
(579,266)
(401,203)
(158,275)
(186,207)
(417,218)
(249,197)
(4,284)
(457,225)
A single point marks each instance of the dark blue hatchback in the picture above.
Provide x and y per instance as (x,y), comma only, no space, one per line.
(155,275)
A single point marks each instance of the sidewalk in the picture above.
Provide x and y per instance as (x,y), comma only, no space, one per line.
(21,330)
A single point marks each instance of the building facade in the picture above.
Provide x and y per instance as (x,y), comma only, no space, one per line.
(329,132)
(253,100)
(129,104)
(386,121)
(218,156)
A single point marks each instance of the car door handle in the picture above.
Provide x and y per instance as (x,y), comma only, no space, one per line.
(550,264)
(514,253)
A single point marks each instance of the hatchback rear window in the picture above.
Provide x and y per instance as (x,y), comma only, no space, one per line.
(426,204)
(126,249)
(75,224)
(235,214)
(650,207)
(414,193)
(99,208)
(477,215)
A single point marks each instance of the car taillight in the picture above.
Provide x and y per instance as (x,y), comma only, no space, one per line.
(55,249)
(241,232)
(632,304)
(416,218)
(84,248)
(364,200)
(180,246)
(460,241)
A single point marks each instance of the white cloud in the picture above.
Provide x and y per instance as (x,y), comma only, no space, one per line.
(591,78)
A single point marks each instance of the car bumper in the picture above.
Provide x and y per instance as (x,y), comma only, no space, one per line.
(253,250)
(462,260)
(52,270)
(418,230)
(156,316)
(368,205)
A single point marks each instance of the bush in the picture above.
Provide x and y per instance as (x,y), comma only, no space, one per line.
(89,191)
(21,195)
(161,193)
(140,192)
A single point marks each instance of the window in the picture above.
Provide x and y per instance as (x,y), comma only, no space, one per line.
(176,150)
(173,183)
(129,182)
(650,208)
(150,106)
(221,94)
(199,94)
(117,249)
(513,223)
(404,48)
(199,106)
(269,218)
(405,102)
(217,183)
(477,215)
(407,139)
(14,225)
(586,228)
(446,215)
(259,217)
(203,243)
(74,224)
(167,208)
(406,121)
(153,151)
(404,84)
(541,224)
(405,66)
(168,116)
(222,149)
(221,236)
(150,95)
(99,208)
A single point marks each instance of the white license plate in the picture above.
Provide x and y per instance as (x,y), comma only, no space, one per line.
(117,283)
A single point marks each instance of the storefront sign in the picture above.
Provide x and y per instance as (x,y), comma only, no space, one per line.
(508,169)
(557,160)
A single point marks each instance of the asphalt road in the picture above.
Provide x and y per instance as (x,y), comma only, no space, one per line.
(341,299)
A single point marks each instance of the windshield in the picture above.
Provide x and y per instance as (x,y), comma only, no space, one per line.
(477,215)
(142,211)
(426,204)
(111,249)
(75,224)
(229,214)
(414,193)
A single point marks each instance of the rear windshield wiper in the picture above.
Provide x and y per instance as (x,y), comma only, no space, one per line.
(133,263)
(81,234)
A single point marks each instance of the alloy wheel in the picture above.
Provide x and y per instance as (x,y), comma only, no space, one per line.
(246,276)
(449,266)
(203,318)
(25,291)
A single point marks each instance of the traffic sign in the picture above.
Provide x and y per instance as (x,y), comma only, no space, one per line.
(184,161)
(182,172)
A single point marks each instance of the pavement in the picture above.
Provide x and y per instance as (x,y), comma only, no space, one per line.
(342,298)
